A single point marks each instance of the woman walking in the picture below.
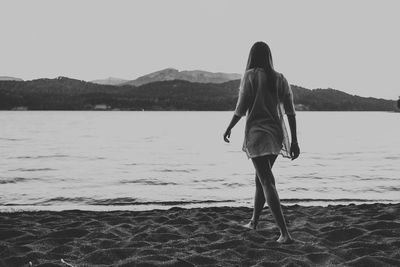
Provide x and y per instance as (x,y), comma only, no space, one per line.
(265,95)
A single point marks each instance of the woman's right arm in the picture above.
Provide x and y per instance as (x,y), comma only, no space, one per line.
(242,105)
(232,124)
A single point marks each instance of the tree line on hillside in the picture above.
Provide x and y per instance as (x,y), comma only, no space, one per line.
(69,94)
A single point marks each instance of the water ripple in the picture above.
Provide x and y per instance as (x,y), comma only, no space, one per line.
(147,182)
(33,169)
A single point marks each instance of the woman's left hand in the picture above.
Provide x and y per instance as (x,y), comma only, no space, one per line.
(294,150)
(227,135)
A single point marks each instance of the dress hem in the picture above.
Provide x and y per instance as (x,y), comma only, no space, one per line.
(285,155)
(260,155)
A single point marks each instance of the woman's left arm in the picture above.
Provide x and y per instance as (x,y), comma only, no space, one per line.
(288,104)
(294,147)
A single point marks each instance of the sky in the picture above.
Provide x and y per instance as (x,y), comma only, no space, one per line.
(352,46)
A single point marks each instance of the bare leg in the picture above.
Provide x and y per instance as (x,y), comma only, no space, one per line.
(267,181)
(259,199)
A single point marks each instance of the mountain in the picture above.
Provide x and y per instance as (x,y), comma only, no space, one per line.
(334,100)
(197,76)
(64,93)
(110,81)
(7,78)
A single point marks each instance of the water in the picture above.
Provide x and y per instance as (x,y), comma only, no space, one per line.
(56,160)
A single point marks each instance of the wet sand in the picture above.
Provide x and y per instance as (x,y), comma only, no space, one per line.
(342,235)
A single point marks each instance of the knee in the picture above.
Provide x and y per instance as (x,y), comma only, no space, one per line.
(268,184)
(257,180)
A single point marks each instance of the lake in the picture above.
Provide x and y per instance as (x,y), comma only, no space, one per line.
(95,160)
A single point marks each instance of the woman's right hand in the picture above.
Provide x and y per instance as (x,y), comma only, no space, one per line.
(294,150)
(227,135)
(233,122)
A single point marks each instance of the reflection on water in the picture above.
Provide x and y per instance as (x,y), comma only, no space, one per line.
(144,160)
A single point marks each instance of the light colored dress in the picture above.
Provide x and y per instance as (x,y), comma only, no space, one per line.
(265,130)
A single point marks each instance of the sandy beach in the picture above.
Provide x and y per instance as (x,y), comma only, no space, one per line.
(337,235)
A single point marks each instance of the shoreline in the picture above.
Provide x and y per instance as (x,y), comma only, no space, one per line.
(350,235)
(185,110)
(166,206)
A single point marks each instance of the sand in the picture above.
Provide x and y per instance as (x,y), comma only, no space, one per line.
(341,235)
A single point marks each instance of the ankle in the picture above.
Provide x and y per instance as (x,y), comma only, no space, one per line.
(253,222)
(285,234)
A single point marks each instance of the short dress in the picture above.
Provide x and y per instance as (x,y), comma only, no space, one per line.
(265,130)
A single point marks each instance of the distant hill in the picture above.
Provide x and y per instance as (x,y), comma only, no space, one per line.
(7,78)
(197,76)
(69,94)
(110,81)
(335,100)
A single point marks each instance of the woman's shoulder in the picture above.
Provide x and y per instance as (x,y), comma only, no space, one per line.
(253,72)
(250,71)
(279,75)
(249,74)
(281,78)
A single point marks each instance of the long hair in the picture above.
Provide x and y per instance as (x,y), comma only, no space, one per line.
(260,57)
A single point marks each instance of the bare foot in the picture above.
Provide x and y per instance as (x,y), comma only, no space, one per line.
(285,239)
(251,225)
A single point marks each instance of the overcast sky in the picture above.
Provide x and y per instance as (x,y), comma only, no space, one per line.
(353,46)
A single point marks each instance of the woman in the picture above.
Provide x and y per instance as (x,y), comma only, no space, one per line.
(265,95)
